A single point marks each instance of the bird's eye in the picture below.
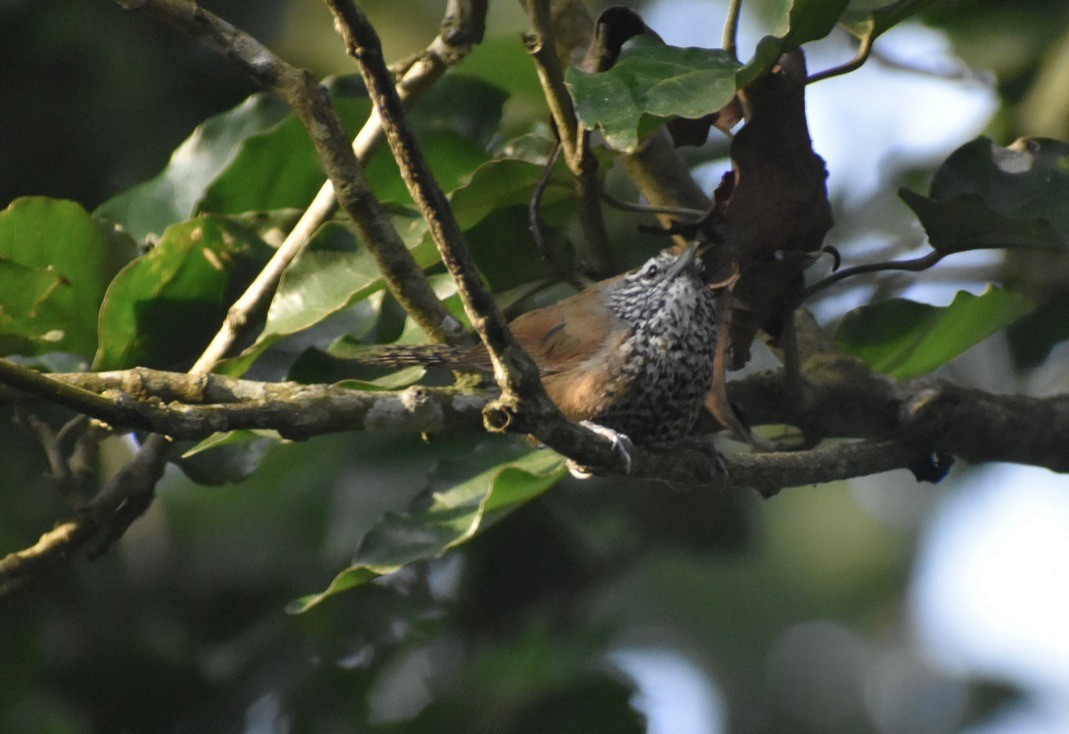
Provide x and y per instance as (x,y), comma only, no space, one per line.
(651,271)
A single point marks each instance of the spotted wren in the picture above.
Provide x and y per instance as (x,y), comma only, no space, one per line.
(633,354)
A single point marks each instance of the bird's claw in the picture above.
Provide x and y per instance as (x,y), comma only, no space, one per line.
(707,446)
(621,444)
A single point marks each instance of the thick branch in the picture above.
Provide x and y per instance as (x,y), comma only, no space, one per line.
(838,399)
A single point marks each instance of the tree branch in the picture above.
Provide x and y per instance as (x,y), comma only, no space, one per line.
(839,398)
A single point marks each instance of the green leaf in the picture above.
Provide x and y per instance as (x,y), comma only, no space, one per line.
(903,338)
(651,80)
(469,106)
(481,489)
(329,275)
(55,264)
(502,183)
(452,158)
(173,195)
(966,222)
(163,308)
(1028,179)
(800,22)
(985,196)
(277,168)
(226,458)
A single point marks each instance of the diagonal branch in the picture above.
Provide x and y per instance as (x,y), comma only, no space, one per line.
(310,102)
(461,28)
(514,370)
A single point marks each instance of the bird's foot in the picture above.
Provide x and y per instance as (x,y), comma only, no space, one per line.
(621,444)
(707,446)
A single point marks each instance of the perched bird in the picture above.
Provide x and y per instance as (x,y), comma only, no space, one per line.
(633,354)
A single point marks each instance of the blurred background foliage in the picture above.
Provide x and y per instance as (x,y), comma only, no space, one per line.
(604,606)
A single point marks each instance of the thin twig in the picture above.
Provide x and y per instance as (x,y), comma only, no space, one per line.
(574,138)
(534,209)
(310,102)
(362,43)
(680,212)
(524,406)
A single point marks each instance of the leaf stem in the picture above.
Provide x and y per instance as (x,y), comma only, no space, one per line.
(863,51)
(731,28)
(914,265)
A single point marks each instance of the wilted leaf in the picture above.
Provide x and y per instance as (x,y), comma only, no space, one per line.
(55,264)
(479,490)
(903,338)
(162,309)
(651,82)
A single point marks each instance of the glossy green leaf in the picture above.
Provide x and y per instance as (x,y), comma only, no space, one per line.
(331,274)
(55,264)
(800,22)
(903,338)
(174,194)
(469,106)
(651,82)
(277,168)
(163,308)
(493,481)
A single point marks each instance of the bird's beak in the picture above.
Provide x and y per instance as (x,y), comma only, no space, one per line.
(683,261)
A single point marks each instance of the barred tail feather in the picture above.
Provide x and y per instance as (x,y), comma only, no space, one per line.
(409,355)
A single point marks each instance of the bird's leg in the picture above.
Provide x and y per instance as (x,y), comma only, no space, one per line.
(621,444)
